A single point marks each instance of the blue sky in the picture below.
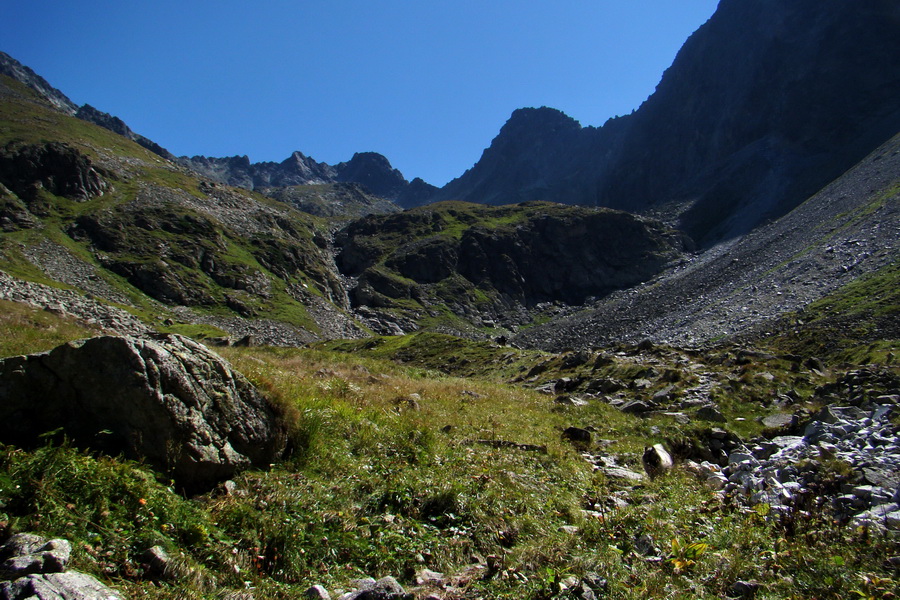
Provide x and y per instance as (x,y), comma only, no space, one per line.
(428,83)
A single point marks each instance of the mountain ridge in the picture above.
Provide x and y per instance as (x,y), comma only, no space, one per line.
(370,169)
(764,104)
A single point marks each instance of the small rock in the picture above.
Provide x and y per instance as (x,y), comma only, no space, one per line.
(623,473)
(567,400)
(743,589)
(710,413)
(577,435)
(427,576)
(317,592)
(57,586)
(49,557)
(779,421)
(635,407)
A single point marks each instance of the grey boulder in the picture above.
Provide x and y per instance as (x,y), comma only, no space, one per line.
(168,401)
(56,586)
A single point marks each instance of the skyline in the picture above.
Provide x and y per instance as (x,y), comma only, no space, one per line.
(429,87)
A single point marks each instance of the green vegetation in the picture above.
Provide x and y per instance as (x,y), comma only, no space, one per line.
(396,466)
(158,234)
(26,330)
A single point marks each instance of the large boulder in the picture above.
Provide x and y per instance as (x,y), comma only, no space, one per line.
(169,401)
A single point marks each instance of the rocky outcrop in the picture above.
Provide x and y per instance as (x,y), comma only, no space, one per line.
(536,252)
(846,458)
(56,167)
(764,105)
(35,567)
(168,401)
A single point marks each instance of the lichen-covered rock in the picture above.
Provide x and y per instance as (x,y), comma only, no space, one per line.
(25,553)
(35,569)
(56,586)
(169,401)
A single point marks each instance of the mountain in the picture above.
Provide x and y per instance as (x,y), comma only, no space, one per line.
(85,206)
(764,105)
(369,169)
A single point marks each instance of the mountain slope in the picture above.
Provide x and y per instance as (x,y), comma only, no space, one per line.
(84,207)
(849,230)
(765,104)
(23,74)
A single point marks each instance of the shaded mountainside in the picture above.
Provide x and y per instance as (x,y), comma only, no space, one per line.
(765,104)
(93,210)
(838,240)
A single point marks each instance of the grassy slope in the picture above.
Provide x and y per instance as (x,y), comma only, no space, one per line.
(130,168)
(385,479)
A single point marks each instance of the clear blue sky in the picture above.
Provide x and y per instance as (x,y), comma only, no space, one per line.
(427,83)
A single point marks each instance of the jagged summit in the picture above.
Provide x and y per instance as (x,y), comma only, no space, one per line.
(371,170)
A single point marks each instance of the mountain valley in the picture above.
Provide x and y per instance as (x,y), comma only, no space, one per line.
(653,359)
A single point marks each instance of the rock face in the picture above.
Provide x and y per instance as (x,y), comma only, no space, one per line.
(168,401)
(55,167)
(526,254)
(764,104)
(35,567)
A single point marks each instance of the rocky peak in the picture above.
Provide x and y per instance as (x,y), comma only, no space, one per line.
(306,169)
(374,172)
(538,121)
(539,154)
